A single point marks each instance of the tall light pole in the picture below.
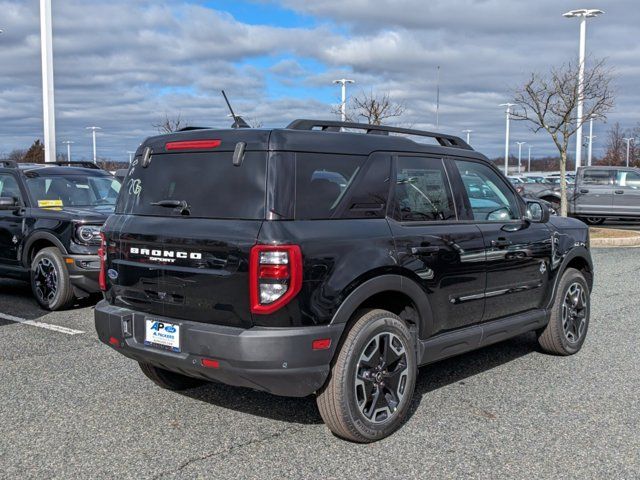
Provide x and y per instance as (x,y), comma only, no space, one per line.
(520,156)
(591,137)
(48,104)
(506,137)
(438,98)
(629,140)
(68,143)
(582,14)
(130,156)
(343,105)
(468,132)
(529,161)
(95,151)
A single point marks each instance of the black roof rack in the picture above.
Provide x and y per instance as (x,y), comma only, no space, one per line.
(336,126)
(8,164)
(74,164)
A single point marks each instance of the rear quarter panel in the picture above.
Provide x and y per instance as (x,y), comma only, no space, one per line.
(338,255)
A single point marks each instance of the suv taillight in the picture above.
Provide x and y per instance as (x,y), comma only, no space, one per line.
(102,253)
(275,276)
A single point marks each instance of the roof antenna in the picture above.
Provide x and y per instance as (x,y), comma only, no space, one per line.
(238,121)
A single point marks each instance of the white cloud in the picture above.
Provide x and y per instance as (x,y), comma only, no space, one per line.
(122,64)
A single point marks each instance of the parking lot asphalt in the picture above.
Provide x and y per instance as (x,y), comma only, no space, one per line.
(71,407)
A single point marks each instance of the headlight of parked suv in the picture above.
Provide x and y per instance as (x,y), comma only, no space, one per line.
(88,234)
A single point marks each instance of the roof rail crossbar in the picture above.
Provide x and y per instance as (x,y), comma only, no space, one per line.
(75,164)
(335,126)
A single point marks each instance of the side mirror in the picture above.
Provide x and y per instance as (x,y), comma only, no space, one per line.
(537,212)
(8,203)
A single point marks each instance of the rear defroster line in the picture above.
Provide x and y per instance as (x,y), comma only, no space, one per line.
(46,326)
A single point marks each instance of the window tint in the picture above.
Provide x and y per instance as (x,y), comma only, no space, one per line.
(209,183)
(322,182)
(369,194)
(597,177)
(628,179)
(9,187)
(489,196)
(422,190)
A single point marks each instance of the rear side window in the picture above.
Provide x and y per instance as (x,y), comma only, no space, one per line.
(597,177)
(422,190)
(209,183)
(322,182)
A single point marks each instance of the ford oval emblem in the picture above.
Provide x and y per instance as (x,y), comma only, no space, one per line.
(112,274)
(170,329)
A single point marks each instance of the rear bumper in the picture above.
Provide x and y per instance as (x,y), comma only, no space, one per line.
(83,273)
(276,360)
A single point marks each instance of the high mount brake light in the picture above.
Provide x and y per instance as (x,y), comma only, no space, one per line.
(192,145)
(275,276)
(102,253)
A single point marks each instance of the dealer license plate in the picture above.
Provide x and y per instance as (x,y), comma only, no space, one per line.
(162,335)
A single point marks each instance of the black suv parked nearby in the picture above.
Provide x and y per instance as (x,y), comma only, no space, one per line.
(50,219)
(330,258)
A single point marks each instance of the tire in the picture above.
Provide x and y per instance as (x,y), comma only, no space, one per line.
(569,322)
(169,380)
(50,280)
(348,403)
(593,220)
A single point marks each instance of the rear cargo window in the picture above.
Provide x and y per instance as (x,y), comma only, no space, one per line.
(322,181)
(209,184)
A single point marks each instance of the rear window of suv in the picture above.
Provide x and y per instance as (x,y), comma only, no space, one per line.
(209,183)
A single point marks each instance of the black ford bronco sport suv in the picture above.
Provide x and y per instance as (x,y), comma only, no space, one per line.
(330,258)
(50,219)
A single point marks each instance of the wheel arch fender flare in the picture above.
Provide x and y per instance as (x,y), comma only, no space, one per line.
(36,236)
(383,284)
(577,252)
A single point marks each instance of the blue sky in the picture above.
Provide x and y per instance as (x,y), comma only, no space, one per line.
(124,64)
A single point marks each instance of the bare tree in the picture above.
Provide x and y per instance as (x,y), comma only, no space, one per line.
(372,107)
(170,124)
(615,153)
(549,102)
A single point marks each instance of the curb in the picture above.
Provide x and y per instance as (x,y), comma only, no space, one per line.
(633,241)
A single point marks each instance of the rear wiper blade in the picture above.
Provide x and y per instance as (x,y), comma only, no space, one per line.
(181,205)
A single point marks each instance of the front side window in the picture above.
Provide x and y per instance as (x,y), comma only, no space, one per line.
(422,191)
(9,187)
(597,177)
(628,179)
(73,190)
(489,196)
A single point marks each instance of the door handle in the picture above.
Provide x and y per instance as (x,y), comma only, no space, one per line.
(619,192)
(584,190)
(500,243)
(424,250)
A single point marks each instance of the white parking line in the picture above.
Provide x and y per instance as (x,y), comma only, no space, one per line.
(48,326)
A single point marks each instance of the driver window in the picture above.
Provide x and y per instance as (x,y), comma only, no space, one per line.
(490,198)
(9,187)
(422,192)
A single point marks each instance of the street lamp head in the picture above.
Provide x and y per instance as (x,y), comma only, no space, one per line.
(521,143)
(583,12)
(344,81)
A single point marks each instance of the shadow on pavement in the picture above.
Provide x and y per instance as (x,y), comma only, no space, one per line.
(430,378)
(17,299)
